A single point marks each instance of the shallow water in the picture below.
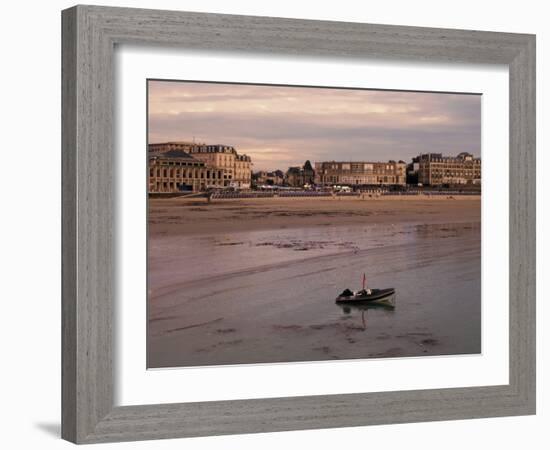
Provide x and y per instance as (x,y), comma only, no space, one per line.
(268,296)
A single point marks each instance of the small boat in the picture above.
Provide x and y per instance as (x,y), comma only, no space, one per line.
(364,295)
(367,295)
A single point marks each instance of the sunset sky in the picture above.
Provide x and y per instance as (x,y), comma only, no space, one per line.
(283,126)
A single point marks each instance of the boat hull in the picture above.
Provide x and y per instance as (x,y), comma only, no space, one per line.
(377,295)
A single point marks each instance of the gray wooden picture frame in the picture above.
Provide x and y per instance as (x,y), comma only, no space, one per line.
(89,36)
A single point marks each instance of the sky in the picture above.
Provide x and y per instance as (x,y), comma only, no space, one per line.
(282,126)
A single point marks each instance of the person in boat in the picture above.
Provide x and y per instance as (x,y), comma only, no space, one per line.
(366,291)
(346,293)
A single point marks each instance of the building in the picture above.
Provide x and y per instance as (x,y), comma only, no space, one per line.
(168,146)
(243,171)
(412,171)
(263,178)
(434,169)
(237,168)
(360,173)
(226,158)
(293,177)
(177,171)
(300,176)
(308,173)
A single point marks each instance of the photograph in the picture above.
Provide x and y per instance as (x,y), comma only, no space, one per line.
(310,223)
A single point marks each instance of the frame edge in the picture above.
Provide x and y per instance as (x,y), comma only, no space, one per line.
(69,33)
(522,241)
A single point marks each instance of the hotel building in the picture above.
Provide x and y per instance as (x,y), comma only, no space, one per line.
(434,169)
(236,168)
(177,171)
(226,158)
(360,173)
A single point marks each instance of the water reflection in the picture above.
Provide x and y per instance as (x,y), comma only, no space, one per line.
(388,305)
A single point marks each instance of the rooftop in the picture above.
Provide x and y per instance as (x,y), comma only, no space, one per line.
(172,154)
(175,143)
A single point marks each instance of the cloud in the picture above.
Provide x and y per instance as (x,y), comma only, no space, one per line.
(281,126)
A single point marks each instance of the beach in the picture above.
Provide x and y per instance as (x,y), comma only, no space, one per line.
(174,216)
(244,281)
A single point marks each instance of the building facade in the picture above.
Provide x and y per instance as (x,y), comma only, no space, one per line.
(434,169)
(300,176)
(263,178)
(293,177)
(236,168)
(412,171)
(225,157)
(176,171)
(360,173)
(308,173)
(243,171)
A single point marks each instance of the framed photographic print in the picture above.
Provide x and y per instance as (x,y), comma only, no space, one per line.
(278,224)
(249,244)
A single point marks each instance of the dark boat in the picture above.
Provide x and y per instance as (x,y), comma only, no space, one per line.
(366,295)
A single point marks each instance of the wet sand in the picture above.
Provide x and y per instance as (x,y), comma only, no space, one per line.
(254,281)
(197,216)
